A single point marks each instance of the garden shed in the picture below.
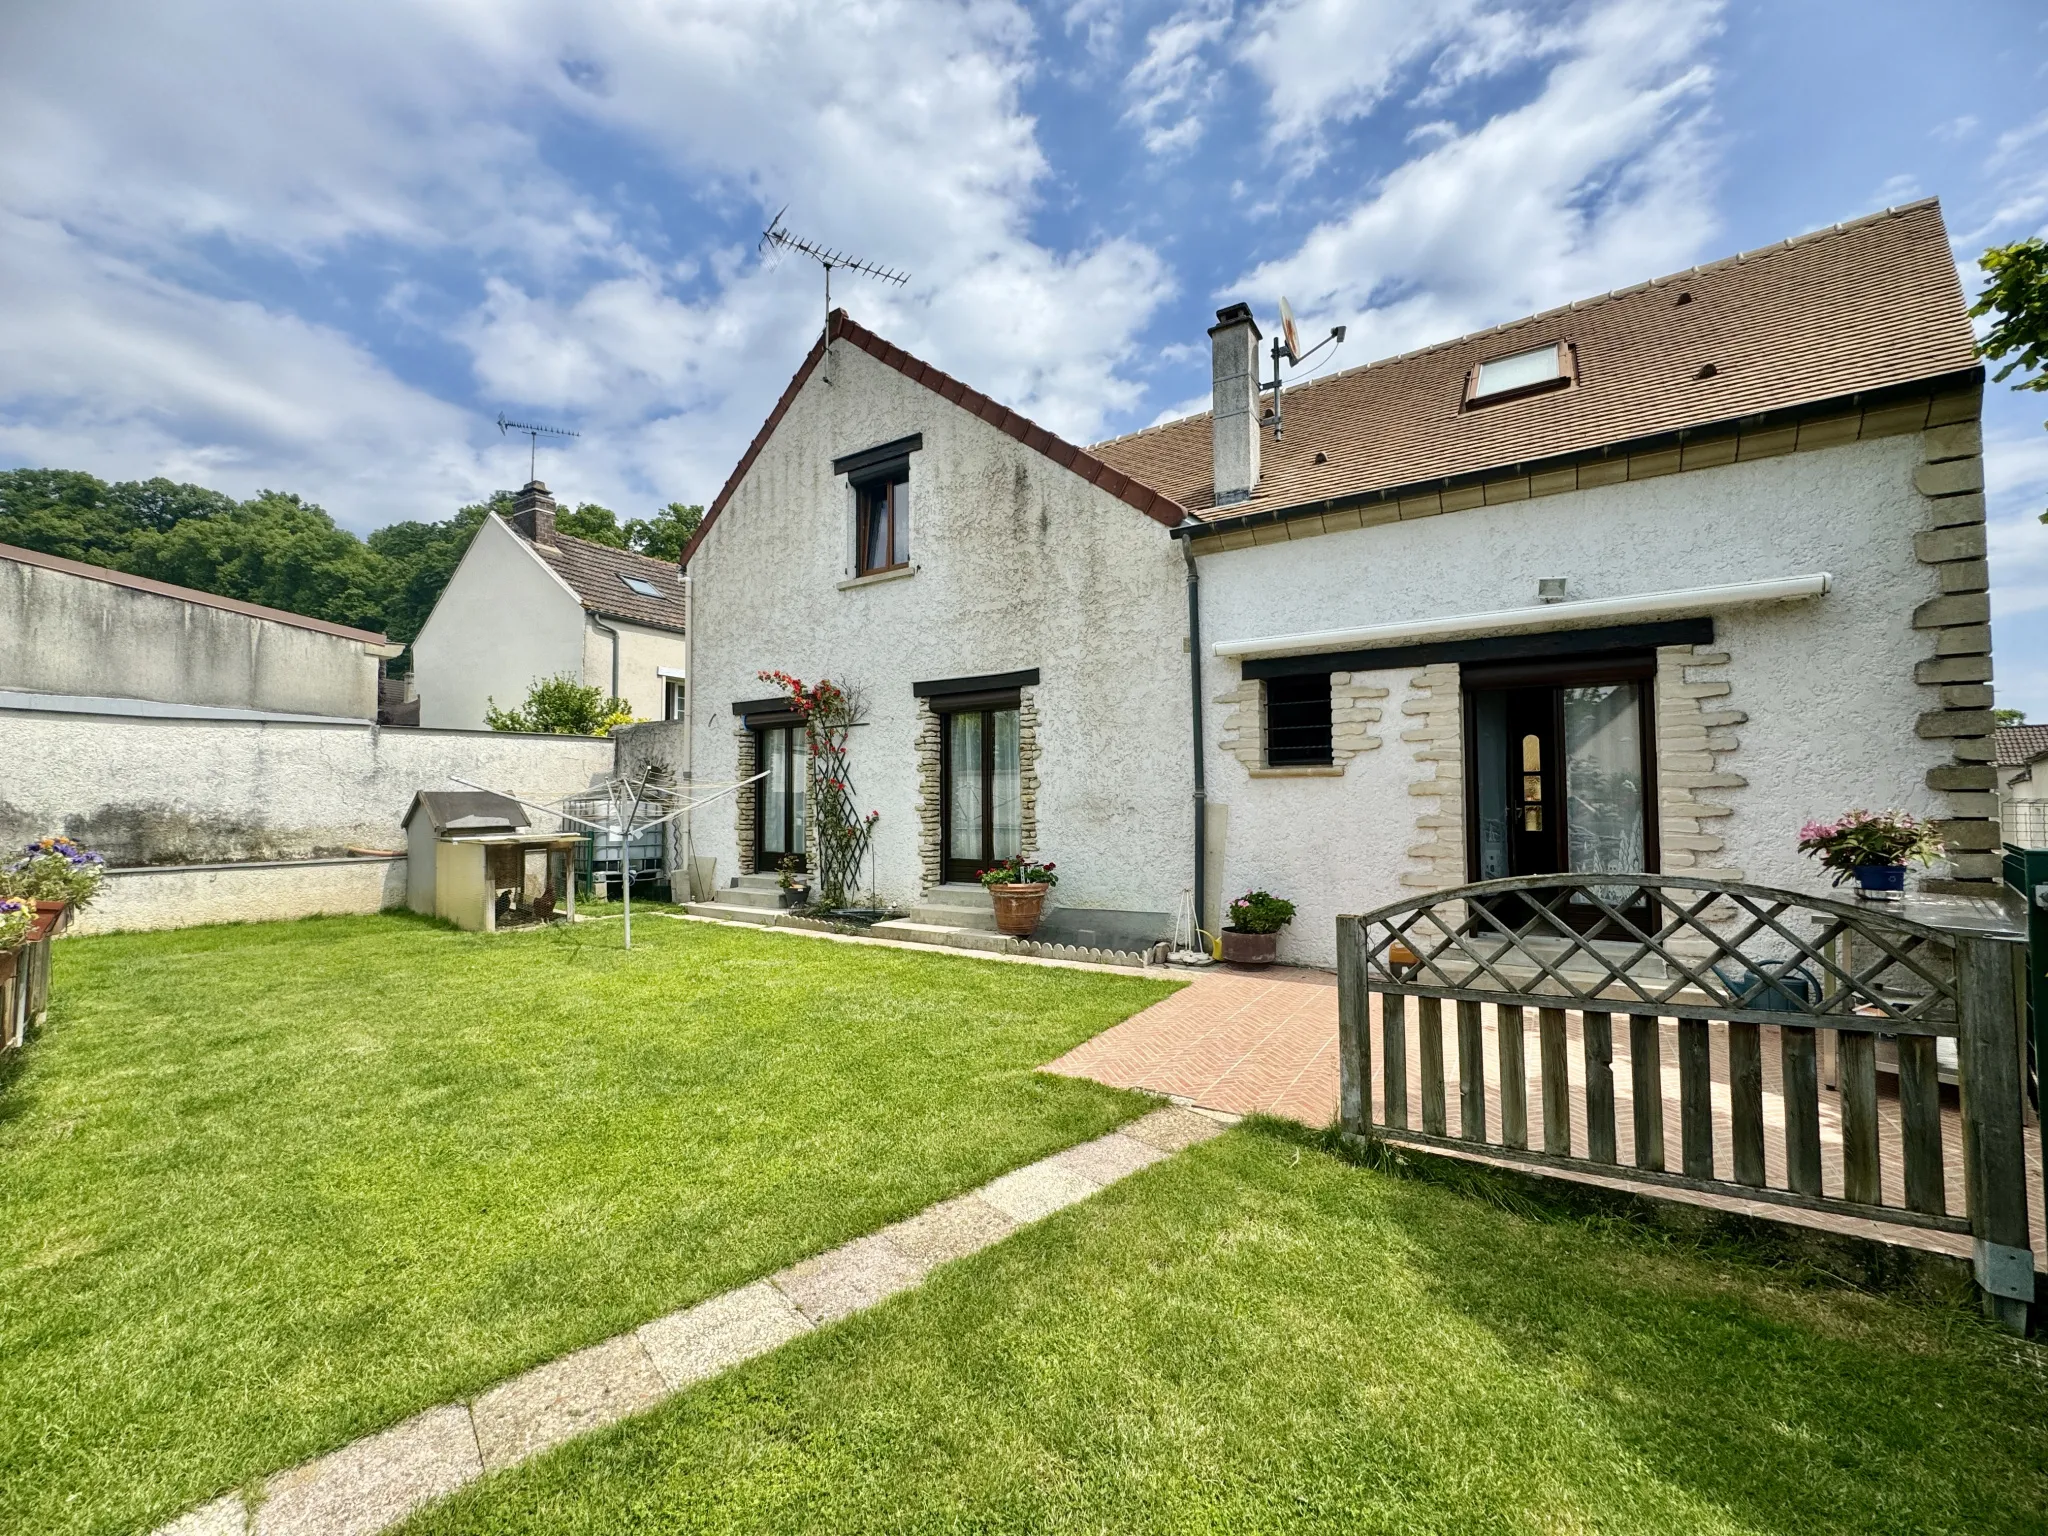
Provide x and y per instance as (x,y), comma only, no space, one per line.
(472,859)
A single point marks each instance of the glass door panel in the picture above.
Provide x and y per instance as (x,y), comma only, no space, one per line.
(966,803)
(984,796)
(775,792)
(779,803)
(1005,791)
(1603,775)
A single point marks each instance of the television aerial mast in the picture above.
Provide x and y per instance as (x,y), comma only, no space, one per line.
(534,434)
(1288,345)
(778,238)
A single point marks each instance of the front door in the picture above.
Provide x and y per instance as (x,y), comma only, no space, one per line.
(1562,764)
(983,811)
(779,798)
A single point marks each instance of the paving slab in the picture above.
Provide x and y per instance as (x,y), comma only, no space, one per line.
(950,1230)
(362,1488)
(849,1278)
(565,1398)
(1037,1190)
(716,1335)
(1108,1158)
(225,1516)
(1176,1129)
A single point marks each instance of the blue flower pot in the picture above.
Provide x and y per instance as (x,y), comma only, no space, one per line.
(1881,882)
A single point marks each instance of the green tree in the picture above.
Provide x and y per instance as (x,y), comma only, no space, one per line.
(2017,294)
(589,521)
(663,536)
(2010,716)
(561,706)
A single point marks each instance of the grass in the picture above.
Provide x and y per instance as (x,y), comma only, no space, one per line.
(1258,1336)
(267,1188)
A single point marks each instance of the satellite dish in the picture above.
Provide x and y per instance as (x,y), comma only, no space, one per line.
(1288,332)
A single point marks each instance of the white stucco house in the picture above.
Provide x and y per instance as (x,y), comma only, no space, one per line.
(529,602)
(1643,582)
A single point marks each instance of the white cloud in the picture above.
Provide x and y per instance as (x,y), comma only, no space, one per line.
(180,147)
(1603,178)
(1174,83)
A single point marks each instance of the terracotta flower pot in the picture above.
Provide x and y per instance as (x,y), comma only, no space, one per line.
(1250,948)
(1018,907)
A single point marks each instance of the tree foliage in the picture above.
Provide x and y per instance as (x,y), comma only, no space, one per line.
(278,549)
(2017,295)
(561,706)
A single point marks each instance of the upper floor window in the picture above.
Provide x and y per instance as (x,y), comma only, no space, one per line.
(882,523)
(1552,366)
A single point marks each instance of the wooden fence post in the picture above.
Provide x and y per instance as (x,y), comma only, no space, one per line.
(1994,1148)
(1354,1030)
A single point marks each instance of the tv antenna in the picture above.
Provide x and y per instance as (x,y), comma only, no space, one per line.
(776,237)
(1288,345)
(534,434)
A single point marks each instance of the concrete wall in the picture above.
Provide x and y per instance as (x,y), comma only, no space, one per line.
(641,652)
(503,622)
(68,634)
(1827,686)
(165,791)
(182,896)
(1018,563)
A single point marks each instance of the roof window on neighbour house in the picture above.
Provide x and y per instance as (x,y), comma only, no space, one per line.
(644,588)
(1552,366)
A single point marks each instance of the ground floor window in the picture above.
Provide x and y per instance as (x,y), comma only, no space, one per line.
(1562,760)
(675,698)
(1298,721)
(982,809)
(779,818)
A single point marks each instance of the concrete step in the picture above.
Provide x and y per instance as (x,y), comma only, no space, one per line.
(912,930)
(758,882)
(957,906)
(747,896)
(731,912)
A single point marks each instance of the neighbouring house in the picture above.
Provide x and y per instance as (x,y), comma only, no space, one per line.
(529,602)
(2023,783)
(83,638)
(1644,582)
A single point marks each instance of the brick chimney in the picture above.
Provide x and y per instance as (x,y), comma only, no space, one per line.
(1234,420)
(533,515)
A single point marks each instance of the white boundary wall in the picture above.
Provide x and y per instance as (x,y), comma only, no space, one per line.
(182,895)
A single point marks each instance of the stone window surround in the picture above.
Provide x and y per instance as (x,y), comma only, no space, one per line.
(1354,710)
(930,795)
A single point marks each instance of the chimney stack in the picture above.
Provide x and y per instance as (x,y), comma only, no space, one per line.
(1234,420)
(533,515)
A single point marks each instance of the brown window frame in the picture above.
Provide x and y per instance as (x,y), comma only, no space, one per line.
(954,871)
(897,516)
(1567,377)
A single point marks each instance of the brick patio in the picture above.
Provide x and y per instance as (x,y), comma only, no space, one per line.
(1265,1042)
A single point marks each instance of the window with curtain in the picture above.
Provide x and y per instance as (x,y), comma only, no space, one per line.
(882,523)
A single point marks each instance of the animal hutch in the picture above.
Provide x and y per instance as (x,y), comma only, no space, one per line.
(472,859)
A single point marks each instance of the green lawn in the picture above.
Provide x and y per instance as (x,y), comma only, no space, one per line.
(1257,1336)
(264,1189)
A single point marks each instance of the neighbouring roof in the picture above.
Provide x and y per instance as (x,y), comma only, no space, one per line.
(466,810)
(596,574)
(1862,306)
(1119,483)
(2018,745)
(115,578)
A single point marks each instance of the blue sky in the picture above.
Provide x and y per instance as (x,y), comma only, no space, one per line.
(320,248)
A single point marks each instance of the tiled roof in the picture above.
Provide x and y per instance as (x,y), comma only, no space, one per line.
(1858,307)
(596,572)
(115,578)
(2018,745)
(1118,482)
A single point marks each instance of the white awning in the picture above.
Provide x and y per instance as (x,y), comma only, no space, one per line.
(1684,602)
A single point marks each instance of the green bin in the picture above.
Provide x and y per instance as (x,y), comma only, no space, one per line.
(2026,871)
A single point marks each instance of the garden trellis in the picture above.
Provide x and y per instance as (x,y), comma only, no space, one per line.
(830,712)
(624,807)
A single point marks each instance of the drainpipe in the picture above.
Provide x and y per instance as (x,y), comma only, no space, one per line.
(600,623)
(1187,549)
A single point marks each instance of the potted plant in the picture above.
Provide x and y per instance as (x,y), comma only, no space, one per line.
(789,877)
(18,919)
(1018,887)
(1253,935)
(57,877)
(1872,848)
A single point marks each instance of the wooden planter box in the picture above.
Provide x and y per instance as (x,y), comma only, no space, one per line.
(24,990)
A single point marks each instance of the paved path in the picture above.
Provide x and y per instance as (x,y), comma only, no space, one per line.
(1265,1042)
(378,1481)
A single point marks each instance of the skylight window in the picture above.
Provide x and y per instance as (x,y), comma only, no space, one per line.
(644,588)
(1521,373)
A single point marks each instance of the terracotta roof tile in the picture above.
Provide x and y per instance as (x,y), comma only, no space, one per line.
(2018,745)
(1849,309)
(597,572)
